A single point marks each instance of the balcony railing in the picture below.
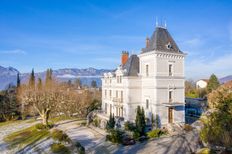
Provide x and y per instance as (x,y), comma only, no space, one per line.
(118,100)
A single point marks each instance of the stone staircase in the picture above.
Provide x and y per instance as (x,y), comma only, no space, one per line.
(174,129)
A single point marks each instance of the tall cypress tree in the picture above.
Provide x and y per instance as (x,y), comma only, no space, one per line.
(111,123)
(18,80)
(48,79)
(32,80)
(140,121)
(39,84)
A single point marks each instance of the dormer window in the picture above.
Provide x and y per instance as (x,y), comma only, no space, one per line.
(169,46)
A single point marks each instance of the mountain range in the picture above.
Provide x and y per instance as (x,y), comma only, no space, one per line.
(8,75)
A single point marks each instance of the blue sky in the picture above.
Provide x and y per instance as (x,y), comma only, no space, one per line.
(80,34)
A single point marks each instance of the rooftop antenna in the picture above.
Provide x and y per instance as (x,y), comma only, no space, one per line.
(165,24)
(156,22)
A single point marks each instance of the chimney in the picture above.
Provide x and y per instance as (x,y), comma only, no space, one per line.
(147,42)
(124,58)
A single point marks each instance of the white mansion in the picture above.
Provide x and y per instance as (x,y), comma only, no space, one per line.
(154,80)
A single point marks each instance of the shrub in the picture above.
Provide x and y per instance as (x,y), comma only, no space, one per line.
(41,126)
(110,123)
(59,148)
(60,136)
(80,148)
(129,126)
(188,127)
(108,138)
(96,122)
(206,151)
(115,136)
(155,133)
(136,135)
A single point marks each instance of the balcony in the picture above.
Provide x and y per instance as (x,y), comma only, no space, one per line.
(171,103)
(115,99)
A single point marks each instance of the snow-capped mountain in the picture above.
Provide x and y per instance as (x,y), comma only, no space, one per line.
(9,75)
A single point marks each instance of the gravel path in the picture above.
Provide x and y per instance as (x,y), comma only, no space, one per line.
(88,137)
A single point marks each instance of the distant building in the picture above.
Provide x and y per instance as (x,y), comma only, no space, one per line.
(154,80)
(202,83)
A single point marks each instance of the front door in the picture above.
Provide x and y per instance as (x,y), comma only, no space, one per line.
(170,115)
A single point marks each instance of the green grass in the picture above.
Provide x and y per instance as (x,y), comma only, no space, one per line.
(9,122)
(59,148)
(16,122)
(26,137)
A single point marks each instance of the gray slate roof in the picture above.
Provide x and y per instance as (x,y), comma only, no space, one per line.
(160,40)
(132,66)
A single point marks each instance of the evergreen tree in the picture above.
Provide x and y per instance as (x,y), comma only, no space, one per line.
(32,80)
(18,80)
(140,121)
(39,84)
(213,83)
(69,83)
(94,84)
(48,79)
(111,123)
(78,83)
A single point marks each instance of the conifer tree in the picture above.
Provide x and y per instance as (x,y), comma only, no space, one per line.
(48,79)
(39,84)
(213,83)
(32,80)
(78,83)
(111,123)
(140,121)
(18,80)
(94,84)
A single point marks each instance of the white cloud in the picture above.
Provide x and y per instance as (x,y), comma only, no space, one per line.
(15,51)
(203,68)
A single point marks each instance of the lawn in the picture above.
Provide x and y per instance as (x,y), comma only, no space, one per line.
(26,137)
(15,122)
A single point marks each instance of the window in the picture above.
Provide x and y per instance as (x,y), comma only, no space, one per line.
(110,108)
(170,69)
(110,80)
(121,96)
(105,93)
(170,96)
(147,104)
(110,93)
(147,70)
(116,94)
(120,79)
(106,108)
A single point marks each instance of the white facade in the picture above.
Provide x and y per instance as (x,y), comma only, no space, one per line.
(158,87)
(200,84)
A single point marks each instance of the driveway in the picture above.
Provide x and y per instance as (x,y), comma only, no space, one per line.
(88,137)
(185,143)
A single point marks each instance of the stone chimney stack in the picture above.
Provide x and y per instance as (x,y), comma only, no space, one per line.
(147,42)
(124,58)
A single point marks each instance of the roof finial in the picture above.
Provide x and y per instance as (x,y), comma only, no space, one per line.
(156,22)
